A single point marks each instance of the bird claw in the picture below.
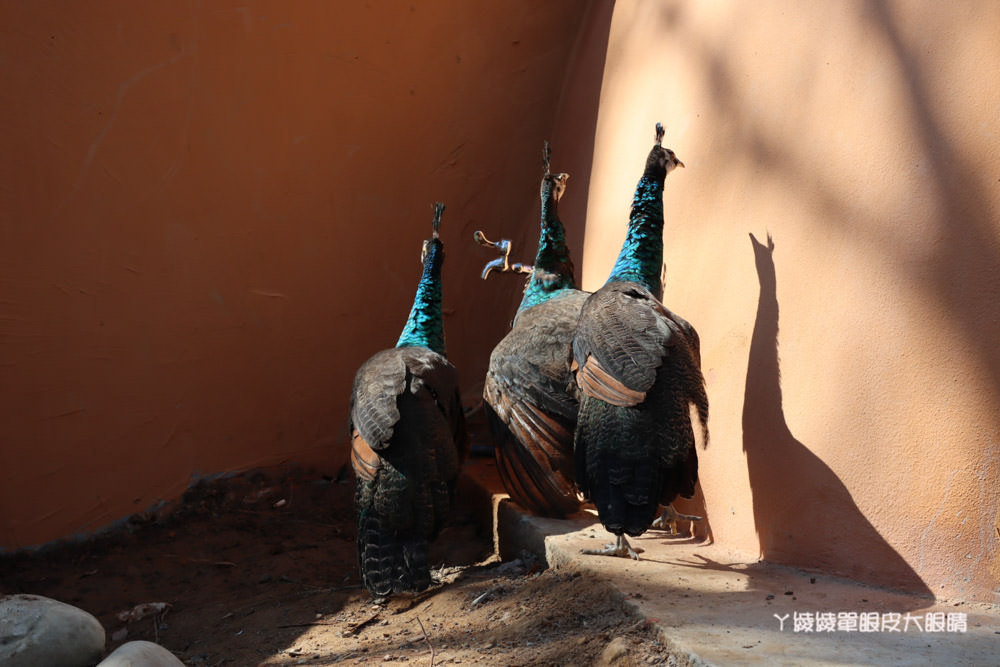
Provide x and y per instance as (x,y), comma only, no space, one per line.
(668,520)
(663,523)
(620,549)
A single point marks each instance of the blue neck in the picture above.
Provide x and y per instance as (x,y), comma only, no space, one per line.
(553,270)
(425,326)
(641,257)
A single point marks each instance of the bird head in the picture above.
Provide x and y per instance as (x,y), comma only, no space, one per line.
(433,244)
(555,184)
(661,160)
(552,184)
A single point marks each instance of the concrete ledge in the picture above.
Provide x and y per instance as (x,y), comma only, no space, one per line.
(716,607)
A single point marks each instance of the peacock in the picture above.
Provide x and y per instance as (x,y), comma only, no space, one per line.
(531,411)
(638,370)
(408,441)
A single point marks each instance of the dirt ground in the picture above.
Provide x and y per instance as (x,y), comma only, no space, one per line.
(260,569)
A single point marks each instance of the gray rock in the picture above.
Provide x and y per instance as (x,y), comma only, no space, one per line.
(141,654)
(35,630)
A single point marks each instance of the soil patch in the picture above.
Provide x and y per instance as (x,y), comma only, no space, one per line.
(261,569)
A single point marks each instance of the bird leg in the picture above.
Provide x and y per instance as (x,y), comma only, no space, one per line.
(668,520)
(502,263)
(621,549)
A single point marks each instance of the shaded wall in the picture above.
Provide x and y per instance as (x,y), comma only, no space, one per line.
(853,365)
(212,214)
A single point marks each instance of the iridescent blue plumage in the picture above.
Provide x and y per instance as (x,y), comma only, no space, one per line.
(408,441)
(425,325)
(641,256)
(553,270)
(638,371)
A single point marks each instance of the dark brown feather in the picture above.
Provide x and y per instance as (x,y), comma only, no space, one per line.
(533,408)
(407,470)
(596,382)
(631,456)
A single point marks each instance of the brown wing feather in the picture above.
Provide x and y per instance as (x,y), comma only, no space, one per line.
(364,460)
(377,386)
(596,382)
(619,326)
(534,466)
(533,411)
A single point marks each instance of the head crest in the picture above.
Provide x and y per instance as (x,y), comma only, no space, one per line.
(436,223)
(546,158)
(659,134)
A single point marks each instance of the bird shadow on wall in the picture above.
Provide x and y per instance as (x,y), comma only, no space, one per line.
(804,514)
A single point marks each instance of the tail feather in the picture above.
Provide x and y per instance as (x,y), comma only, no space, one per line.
(389,563)
(631,459)
(622,497)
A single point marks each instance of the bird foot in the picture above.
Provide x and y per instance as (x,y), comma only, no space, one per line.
(621,549)
(668,520)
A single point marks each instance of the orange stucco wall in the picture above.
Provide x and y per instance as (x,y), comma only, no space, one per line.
(853,370)
(212,213)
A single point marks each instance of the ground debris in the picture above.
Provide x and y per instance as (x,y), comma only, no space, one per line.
(290,598)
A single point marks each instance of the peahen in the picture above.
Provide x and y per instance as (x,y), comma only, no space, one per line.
(531,412)
(408,441)
(638,370)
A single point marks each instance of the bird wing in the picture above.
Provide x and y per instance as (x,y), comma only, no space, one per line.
(412,471)
(622,338)
(432,373)
(528,389)
(527,380)
(381,380)
(530,366)
(377,386)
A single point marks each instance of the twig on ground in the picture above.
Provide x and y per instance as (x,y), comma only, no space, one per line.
(358,627)
(480,599)
(419,598)
(428,640)
(310,591)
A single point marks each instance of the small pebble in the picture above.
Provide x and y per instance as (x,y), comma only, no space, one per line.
(616,649)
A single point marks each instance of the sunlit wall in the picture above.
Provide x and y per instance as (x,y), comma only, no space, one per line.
(853,363)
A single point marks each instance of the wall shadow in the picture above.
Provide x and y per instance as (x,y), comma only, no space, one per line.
(804,514)
(574,123)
